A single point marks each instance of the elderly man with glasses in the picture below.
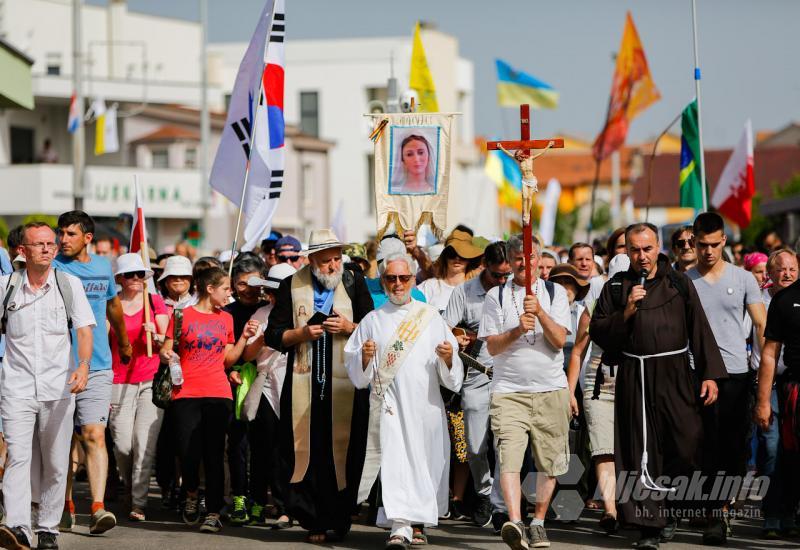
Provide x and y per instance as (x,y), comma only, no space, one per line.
(40,379)
(404,351)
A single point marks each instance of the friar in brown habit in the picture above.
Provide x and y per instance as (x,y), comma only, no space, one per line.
(649,331)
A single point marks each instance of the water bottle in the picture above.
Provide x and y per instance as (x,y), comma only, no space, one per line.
(175,371)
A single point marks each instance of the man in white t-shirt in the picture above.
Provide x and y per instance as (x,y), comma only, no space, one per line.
(530,401)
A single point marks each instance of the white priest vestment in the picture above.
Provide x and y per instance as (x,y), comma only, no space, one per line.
(414,442)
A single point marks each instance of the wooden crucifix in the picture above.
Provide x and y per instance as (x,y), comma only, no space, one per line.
(523,146)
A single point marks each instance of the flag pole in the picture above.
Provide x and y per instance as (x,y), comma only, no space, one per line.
(598,161)
(249,155)
(144,252)
(699,117)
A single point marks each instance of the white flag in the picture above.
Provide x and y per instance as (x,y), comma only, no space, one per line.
(256,101)
(549,204)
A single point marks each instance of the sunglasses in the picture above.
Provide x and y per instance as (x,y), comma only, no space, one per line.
(288,258)
(683,243)
(501,275)
(132,274)
(395,278)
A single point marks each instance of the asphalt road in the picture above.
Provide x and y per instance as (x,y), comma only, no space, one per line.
(164,530)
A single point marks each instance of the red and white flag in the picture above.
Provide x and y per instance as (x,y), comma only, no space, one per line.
(733,196)
(139,231)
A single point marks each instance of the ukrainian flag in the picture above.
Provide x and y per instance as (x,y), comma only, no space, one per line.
(505,173)
(515,88)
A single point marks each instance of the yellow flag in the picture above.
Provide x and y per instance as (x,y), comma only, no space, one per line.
(421,79)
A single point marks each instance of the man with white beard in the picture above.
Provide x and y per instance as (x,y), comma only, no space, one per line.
(404,351)
(323,418)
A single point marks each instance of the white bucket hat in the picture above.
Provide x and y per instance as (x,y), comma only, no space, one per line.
(277,273)
(177,266)
(321,239)
(131,263)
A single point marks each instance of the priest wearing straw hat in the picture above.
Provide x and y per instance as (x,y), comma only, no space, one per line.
(323,417)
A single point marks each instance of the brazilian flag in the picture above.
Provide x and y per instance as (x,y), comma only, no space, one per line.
(691,189)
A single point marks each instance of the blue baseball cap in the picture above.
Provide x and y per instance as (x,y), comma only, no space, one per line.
(288,241)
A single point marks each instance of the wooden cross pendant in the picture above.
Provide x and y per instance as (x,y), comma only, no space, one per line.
(527,144)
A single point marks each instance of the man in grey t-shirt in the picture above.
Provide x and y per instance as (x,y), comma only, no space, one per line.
(727,293)
(463,313)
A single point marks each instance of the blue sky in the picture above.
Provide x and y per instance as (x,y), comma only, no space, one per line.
(748,52)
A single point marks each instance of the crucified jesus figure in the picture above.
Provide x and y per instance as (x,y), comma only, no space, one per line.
(530,185)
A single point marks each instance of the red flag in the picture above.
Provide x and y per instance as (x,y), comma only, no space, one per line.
(139,232)
(138,229)
(733,196)
(632,91)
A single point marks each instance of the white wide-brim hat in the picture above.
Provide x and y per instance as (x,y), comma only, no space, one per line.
(131,263)
(321,239)
(177,266)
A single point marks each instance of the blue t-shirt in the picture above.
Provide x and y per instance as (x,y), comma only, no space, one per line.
(379,296)
(5,269)
(5,262)
(98,282)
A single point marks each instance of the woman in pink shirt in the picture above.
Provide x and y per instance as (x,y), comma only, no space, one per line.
(134,420)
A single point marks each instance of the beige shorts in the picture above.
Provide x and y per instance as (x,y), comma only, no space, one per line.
(600,421)
(540,420)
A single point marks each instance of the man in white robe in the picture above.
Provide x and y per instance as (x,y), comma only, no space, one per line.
(404,351)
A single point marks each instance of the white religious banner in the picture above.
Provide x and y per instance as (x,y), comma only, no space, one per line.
(412,170)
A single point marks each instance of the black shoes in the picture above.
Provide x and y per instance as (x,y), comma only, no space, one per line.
(47,541)
(482,516)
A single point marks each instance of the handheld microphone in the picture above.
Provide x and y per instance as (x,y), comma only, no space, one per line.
(642,280)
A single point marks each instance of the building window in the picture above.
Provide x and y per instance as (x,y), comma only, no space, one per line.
(309,113)
(370,183)
(190,160)
(160,158)
(21,145)
(53,60)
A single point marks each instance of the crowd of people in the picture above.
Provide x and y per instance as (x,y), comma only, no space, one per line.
(294,384)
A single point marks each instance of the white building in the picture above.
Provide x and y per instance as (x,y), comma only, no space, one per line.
(150,67)
(330,84)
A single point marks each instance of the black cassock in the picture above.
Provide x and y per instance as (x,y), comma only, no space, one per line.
(316,501)
(664,322)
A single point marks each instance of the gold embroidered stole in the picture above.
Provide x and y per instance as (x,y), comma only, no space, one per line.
(342,390)
(400,345)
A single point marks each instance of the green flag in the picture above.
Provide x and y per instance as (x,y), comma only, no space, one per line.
(691,189)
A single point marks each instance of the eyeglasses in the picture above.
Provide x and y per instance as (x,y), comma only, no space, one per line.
(132,274)
(501,275)
(288,258)
(40,245)
(395,278)
(683,243)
